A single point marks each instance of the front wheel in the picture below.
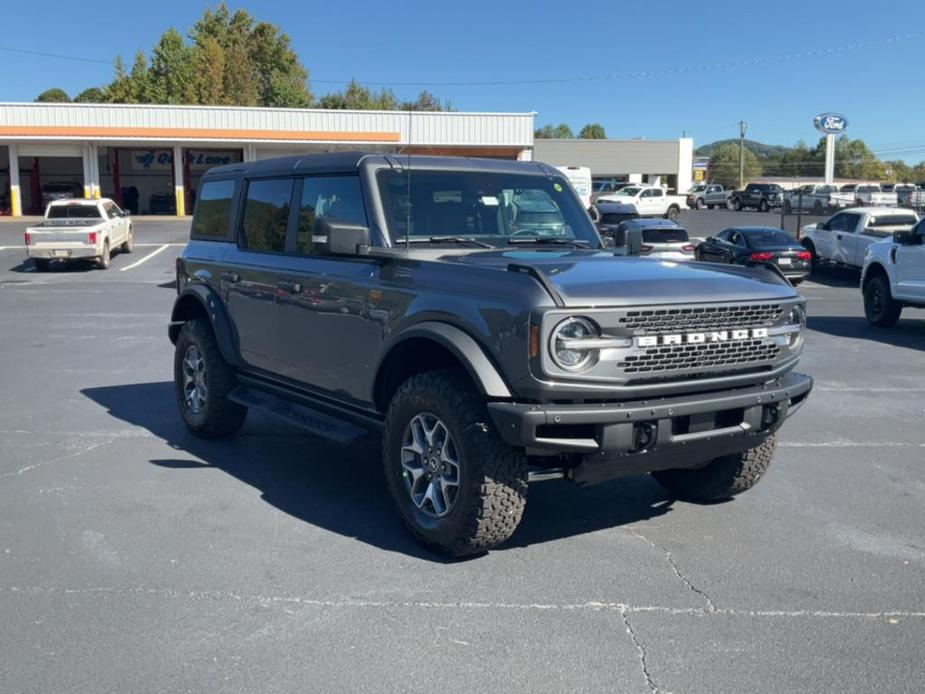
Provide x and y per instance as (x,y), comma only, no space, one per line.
(880,308)
(202,382)
(737,205)
(763,206)
(673,213)
(721,478)
(458,487)
(699,204)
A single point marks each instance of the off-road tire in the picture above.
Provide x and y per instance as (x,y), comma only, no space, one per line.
(721,478)
(881,311)
(219,417)
(673,213)
(492,475)
(105,260)
(42,264)
(129,244)
(699,204)
(737,205)
(763,206)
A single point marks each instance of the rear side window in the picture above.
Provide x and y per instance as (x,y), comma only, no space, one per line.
(336,198)
(664,235)
(213,209)
(891,220)
(266,213)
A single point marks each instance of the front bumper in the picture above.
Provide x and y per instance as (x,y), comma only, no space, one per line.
(628,438)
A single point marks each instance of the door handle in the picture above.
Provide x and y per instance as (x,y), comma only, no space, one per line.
(230,277)
(290,287)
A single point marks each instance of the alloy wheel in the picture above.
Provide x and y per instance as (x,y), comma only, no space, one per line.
(430,465)
(195,389)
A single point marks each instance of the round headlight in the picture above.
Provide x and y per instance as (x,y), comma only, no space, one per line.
(797,317)
(565,352)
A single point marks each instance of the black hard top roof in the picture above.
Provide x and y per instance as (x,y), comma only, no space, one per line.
(346,162)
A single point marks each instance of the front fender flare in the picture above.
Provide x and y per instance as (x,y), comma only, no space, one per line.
(463,346)
(211,304)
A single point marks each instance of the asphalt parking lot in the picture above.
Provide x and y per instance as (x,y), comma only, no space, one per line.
(138,558)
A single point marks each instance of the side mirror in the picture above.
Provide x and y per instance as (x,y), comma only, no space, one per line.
(124,213)
(595,215)
(822,226)
(906,238)
(338,238)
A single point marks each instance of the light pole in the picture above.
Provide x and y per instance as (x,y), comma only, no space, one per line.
(742,126)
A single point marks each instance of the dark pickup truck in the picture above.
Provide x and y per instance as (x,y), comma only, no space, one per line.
(760,196)
(469,310)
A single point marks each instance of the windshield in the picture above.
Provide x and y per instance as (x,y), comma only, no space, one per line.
(629,191)
(664,235)
(769,237)
(73,212)
(481,205)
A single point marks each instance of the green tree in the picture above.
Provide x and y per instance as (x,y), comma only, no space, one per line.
(93,95)
(359,98)
(593,131)
(723,166)
(853,159)
(53,95)
(559,132)
(207,85)
(168,79)
(426,101)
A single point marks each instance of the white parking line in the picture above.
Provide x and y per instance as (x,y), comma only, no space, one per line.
(148,257)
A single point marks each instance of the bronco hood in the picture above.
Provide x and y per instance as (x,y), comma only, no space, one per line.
(598,278)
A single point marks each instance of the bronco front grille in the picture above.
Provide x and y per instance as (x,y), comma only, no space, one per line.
(670,320)
(700,356)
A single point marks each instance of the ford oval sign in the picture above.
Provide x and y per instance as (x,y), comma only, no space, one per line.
(831,123)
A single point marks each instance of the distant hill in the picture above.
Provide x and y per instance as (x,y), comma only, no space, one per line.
(760,149)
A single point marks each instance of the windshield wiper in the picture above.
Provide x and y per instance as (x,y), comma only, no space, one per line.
(575,243)
(442,239)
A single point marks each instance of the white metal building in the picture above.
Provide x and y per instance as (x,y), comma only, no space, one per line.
(150,158)
(660,162)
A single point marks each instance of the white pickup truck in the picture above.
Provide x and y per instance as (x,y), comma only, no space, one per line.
(76,229)
(645,201)
(894,276)
(856,195)
(813,197)
(844,237)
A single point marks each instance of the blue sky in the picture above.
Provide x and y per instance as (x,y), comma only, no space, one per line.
(876,86)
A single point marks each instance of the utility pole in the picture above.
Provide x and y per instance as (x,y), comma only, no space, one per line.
(742,127)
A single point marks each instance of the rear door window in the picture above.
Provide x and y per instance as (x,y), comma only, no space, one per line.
(213,209)
(266,214)
(337,198)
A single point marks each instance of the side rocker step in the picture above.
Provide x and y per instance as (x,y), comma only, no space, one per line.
(307,418)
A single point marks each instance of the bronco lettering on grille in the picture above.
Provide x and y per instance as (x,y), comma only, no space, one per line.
(701,338)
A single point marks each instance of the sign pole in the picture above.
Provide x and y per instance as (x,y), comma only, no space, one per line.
(830,158)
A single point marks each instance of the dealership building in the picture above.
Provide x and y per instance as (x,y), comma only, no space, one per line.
(150,158)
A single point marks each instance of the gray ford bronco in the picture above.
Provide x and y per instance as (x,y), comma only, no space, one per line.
(469,310)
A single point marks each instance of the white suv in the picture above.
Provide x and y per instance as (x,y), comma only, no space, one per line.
(894,276)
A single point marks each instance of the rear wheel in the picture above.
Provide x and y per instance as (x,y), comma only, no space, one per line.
(880,308)
(458,487)
(721,478)
(202,382)
(737,205)
(813,258)
(699,204)
(763,206)
(105,258)
(673,213)
(129,244)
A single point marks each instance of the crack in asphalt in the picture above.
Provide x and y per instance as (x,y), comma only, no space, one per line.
(640,652)
(590,606)
(711,607)
(42,463)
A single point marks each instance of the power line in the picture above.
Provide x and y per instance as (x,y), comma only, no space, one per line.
(816,52)
(56,55)
(648,73)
